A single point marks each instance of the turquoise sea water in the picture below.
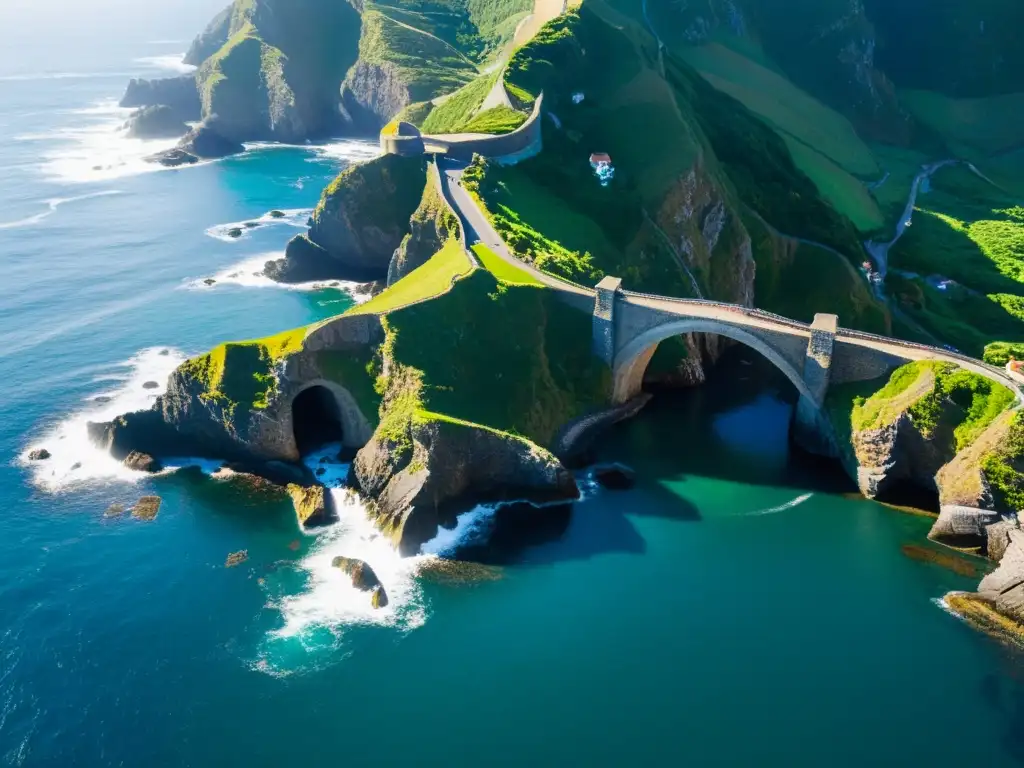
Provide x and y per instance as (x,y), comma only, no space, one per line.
(734,608)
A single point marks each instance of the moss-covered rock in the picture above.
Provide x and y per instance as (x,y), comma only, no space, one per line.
(360,221)
(235,402)
(313,505)
(363,576)
(432,224)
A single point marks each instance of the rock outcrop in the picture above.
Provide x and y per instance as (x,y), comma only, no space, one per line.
(142,462)
(159,122)
(430,226)
(235,403)
(313,505)
(211,39)
(180,95)
(421,479)
(360,221)
(204,142)
(363,576)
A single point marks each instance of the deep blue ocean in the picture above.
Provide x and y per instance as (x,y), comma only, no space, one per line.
(735,608)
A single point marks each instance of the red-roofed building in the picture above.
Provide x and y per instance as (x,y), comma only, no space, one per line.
(600,158)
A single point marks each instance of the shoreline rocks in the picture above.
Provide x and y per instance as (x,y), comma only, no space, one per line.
(40,454)
(204,142)
(142,462)
(156,122)
(314,506)
(615,477)
(363,576)
(147,508)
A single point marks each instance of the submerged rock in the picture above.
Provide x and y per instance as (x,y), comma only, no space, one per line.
(173,158)
(363,577)
(146,508)
(151,385)
(234,232)
(313,505)
(236,558)
(458,572)
(615,477)
(142,462)
(379,598)
(40,454)
(204,142)
(209,281)
(114,510)
(956,563)
(277,214)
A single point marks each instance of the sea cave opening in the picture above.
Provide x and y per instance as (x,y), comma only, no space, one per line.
(316,419)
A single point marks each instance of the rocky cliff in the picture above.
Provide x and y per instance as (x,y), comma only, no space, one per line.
(362,218)
(180,95)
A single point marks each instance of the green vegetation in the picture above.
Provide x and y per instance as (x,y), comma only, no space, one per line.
(799,280)
(932,393)
(242,373)
(496,120)
(511,357)
(792,112)
(972,128)
(902,165)
(1001,352)
(432,279)
(458,109)
(416,113)
(1004,469)
(971,232)
(426,64)
(356,370)
(848,195)
(501,269)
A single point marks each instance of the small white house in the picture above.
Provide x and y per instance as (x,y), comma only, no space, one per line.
(577,97)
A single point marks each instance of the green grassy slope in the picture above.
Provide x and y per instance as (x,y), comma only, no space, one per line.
(971,232)
(511,357)
(972,128)
(432,279)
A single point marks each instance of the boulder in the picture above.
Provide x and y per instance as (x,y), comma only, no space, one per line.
(615,477)
(363,577)
(449,467)
(234,232)
(40,454)
(313,505)
(157,122)
(209,281)
(141,462)
(458,572)
(151,385)
(277,214)
(205,142)
(304,261)
(146,508)
(963,527)
(379,598)
(173,158)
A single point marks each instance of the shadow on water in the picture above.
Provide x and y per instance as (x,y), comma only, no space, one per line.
(734,428)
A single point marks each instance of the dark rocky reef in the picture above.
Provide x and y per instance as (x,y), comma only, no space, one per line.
(362,218)
(204,142)
(159,122)
(420,480)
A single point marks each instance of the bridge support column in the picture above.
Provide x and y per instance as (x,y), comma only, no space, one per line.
(811,428)
(604,319)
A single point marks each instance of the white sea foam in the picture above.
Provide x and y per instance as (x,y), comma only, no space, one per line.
(782,507)
(293,217)
(52,206)
(249,274)
(74,458)
(96,148)
(171,63)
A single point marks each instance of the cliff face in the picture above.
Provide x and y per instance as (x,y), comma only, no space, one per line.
(431,225)
(179,94)
(360,221)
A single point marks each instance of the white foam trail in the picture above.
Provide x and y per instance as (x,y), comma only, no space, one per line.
(249,274)
(293,217)
(74,459)
(782,507)
(471,527)
(171,63)
(52,206)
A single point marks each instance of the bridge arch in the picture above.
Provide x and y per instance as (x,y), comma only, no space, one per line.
(632,359)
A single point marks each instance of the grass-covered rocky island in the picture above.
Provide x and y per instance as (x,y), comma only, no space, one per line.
(739,164)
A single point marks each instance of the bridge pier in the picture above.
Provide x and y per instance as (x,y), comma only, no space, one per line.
(812,430)
(604,319)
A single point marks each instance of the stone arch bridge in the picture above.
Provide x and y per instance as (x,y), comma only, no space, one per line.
(629,326)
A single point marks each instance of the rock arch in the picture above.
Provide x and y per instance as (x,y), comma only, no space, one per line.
(339,414)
